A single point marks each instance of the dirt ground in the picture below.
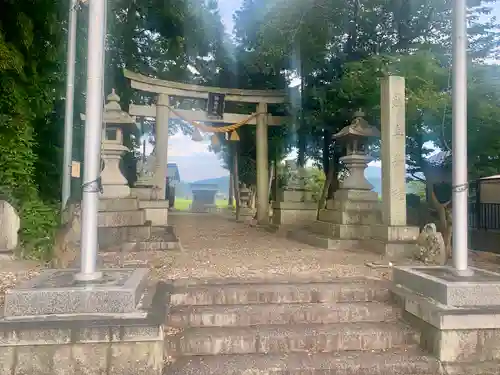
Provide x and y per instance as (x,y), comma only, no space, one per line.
(215,246)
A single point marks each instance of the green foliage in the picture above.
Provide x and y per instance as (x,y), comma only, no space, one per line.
(30,82)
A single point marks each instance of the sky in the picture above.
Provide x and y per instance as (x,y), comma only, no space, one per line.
(194,160)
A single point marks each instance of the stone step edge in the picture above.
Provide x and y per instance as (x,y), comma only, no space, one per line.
(278,280)
(252,337)
(281,293)
(387,362)
(181,316)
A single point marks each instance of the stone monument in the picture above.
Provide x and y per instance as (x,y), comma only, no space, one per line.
(393,237)
(295,205)
(9,228)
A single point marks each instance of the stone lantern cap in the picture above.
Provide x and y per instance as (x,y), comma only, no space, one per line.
(358,128)
(113,113)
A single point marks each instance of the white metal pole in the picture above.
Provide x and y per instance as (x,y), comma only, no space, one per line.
(93,130)
(459,148)
(69,105)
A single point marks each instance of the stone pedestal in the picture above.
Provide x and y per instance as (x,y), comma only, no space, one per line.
(394,241)
(135,223)
(354,209)
(296,208)
(458,317)
(55,292)
(156,211)
(52,325)
(114,184)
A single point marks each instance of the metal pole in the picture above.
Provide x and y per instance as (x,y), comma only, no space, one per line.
(69,110)
(93,130)
(459,148)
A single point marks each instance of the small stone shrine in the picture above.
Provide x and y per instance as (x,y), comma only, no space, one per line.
(295,205)
(204,198)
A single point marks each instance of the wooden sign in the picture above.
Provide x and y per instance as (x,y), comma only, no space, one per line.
(216,104)
(75,169)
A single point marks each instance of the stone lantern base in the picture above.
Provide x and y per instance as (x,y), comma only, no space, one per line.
(114,184)
(295,207)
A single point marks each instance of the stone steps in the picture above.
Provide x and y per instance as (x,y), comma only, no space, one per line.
(234,293)
(304,338)
(300,327)
(290,313)
(396,361)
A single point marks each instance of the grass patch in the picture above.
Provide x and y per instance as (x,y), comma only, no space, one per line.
(182,204)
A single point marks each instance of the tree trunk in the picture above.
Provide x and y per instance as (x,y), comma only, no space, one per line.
(236,179)
(230,201)
(326,150)
(326,187)
(445,224)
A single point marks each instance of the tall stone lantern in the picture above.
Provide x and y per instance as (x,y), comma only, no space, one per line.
(356,137)
(114,184)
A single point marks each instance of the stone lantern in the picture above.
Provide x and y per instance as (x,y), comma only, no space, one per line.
(245,211)
(244,196)
(114,184)
(356,137)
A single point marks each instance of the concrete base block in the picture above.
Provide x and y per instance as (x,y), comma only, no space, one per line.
(204,208)
(293,213)
(156,211)
(459,318)
(115,236)
(115,191)
(79,345)
(395,242)
(440,284)
(392,250)
(121,218)
(323,242)
(350,217)
(295,195)
(356,195)
(55,292)
(145,193)
(121,204)
(340,231)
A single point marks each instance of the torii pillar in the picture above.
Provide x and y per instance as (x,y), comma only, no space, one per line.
(262,166)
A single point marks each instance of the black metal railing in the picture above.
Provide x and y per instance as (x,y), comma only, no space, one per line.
(484,216)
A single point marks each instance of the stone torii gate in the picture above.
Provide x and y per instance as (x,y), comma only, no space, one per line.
(163,113)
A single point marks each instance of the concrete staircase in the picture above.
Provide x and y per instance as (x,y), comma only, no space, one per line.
(342,327)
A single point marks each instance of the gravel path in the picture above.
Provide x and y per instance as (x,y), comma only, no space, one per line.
(217,247)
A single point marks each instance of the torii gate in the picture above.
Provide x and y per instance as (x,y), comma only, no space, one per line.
(162,112)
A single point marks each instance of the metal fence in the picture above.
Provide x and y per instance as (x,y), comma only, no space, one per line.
(484,216)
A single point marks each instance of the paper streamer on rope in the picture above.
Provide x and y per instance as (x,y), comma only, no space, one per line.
(234,136)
